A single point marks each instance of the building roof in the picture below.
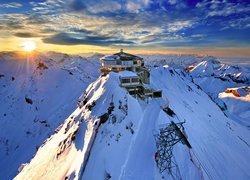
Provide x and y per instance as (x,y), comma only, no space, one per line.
(127,74)
(127,56)
(110,58)
(121,56)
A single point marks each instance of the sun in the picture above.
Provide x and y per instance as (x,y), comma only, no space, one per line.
(28,46)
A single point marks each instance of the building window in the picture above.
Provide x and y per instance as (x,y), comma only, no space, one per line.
(127,63)
(135,80)
(125,80)
(110,62)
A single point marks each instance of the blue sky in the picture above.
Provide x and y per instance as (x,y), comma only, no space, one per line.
(137,24)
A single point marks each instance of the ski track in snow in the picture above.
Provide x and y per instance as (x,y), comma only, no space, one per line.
(139,150)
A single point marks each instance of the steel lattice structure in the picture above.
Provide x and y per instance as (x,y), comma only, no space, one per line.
(169,135)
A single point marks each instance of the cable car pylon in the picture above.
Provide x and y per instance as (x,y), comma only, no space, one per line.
(169,135)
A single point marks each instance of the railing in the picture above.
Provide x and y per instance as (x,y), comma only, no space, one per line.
(122,66)
(130,84)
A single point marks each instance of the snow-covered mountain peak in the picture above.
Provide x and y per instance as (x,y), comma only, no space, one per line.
(211,60)
(103,101)
(207,66)
(110,134)
(213,67)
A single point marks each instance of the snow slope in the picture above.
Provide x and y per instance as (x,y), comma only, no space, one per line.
(217,141)
(111,135)
(37,93)
(215,77)
(238,104)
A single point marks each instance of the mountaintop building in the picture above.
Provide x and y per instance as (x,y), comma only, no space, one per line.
(121,61)
(132,72)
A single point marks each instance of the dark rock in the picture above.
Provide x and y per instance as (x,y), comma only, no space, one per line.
(28,100)
(41,65)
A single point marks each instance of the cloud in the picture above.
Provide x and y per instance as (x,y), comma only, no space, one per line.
(11,5)
(128,22)
(79,39)
(172,2)
(240,23)
(49,6)
(76,5)
(48,31)
(26,35)
(15,22)
(104,6)
(36,19)
(161,39)
(198,36)
(13,25)
(80,30)
(229,10)
(11,21)
(179,25)
(223,8)
(135,6)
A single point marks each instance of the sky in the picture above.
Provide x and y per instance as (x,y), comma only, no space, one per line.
(141,26)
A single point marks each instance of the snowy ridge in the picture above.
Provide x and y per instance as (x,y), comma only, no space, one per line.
(210,66)
(124,145)
(215,78)
(62,146)
(37,93)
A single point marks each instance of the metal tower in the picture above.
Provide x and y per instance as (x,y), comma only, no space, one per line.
(169,135)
